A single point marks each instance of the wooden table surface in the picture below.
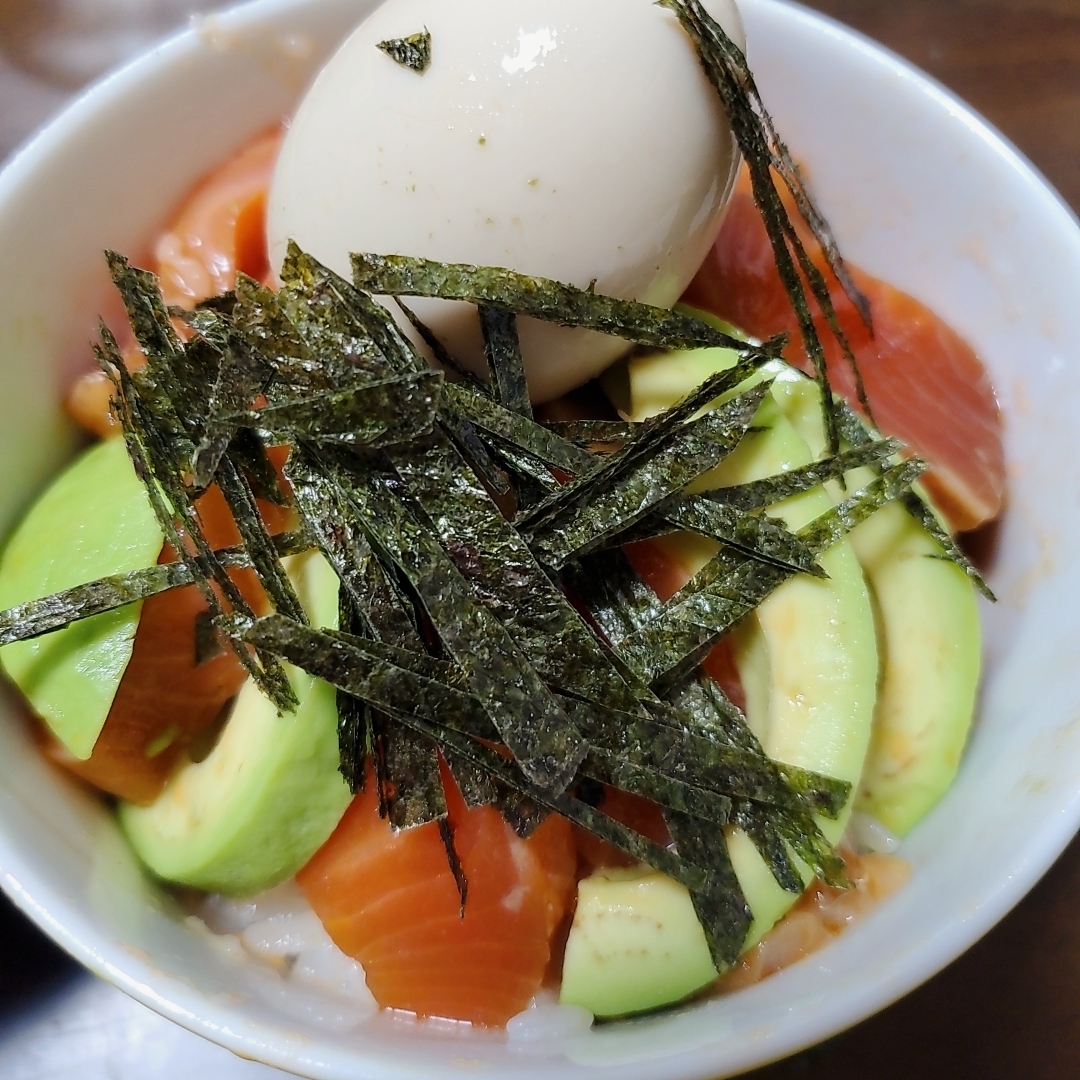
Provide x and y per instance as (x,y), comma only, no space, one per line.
(1009,1008)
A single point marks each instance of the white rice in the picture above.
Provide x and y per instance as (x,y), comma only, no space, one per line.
(546,1026)
(319,983)
(867,834)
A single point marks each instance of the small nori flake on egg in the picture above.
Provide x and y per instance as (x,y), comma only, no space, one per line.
(413,52)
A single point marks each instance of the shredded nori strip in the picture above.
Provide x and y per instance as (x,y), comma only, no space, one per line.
(505,365)
(765,154)
(539,298)
(413,52)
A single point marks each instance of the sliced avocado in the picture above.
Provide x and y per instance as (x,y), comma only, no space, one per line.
(808,660)
(636,944)
(269,793)
(931,643)
(93,521)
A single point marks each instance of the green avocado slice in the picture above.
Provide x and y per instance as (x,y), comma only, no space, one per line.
(93,521)
(808,659)
(931,643)
(269,793)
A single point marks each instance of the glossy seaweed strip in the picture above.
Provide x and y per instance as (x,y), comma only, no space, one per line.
(371,415)
(380,611)
(360,670)
(732,585)
(692,450)
(703,702)
(590,433)
(502,350)
(758,494)
(758,825)
(528,719)
(719,902)
(446,834)
(755,535)
(154,462)
(725,66)
(413,52)
(494,418)
(354,727)
(494,558)
(414,795)
(539,298)
(650,438)
(667,791)
(257,541)
(854,430)
(59,610)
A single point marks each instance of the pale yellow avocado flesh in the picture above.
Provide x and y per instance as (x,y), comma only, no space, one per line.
(808,658)
(95,520)
(269,793)
(931,644)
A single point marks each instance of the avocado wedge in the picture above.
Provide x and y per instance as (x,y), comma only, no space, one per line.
(93,521)
(808,660)
(268,794)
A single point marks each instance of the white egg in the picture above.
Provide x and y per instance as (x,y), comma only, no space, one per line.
(571,139)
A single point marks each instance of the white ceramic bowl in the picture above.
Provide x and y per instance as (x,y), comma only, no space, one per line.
(922,193)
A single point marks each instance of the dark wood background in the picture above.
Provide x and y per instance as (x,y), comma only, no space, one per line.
(1010,1008)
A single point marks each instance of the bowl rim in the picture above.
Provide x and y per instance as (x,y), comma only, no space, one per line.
(191,1008)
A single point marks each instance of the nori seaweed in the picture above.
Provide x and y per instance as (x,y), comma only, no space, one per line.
(456,633)
(413,52)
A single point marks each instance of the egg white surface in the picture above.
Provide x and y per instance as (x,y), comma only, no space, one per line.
(572,139)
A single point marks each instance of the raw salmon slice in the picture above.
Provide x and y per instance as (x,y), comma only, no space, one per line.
(390,901)
(220,228)
(924,382)
(166,699)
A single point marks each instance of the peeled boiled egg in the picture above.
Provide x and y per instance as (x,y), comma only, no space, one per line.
(571,139)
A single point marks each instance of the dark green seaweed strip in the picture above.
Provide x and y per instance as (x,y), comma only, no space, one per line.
(539,298)
(531,480)
(154,464)
(755,535)
(773,489)
(59,610)
(530,722)
(917,507)
(374,414)
(692,450)
(649,438)
(494,558)
(587,433)
(834,525)
(413,52)
(502,349)
(726,67)
(355,727)
(412,764)
(609,768)
(439,351)
(377,607)
(732,585)
(719,902)
(258,542)
(360,670)
(613,593)
(55,612)
(534,438)
(349,311)
(457,871)
(758,824)
(854,430)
